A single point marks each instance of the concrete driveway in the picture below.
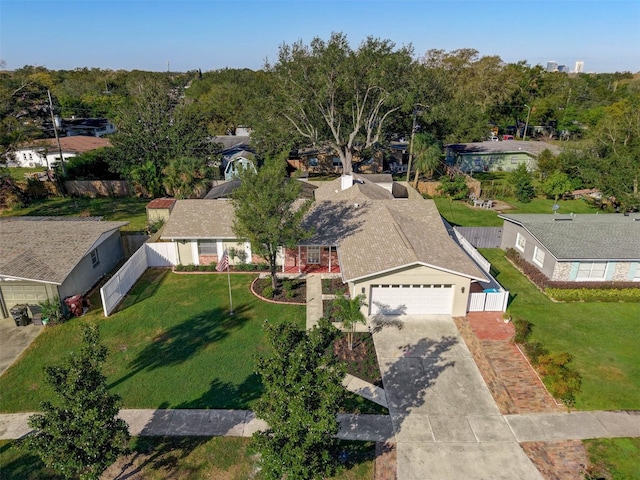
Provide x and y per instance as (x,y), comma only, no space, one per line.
(14,340)
(446,424)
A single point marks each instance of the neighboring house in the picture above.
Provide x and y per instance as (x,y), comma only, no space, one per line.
(496,156)
(45,153)
(236,154)
(577,247)
(92,127)
(41,257)
(395,251)
(202,230)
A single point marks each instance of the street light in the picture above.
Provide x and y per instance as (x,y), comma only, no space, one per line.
(413,133)
(526,125)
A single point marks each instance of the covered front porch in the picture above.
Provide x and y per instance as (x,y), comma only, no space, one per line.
(311,259)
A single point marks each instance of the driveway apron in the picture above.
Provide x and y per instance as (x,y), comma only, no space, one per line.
(446,424)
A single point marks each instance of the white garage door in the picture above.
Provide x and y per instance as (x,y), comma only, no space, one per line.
(411,299)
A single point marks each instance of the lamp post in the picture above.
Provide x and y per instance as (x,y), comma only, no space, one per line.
(413,134)
(526,125)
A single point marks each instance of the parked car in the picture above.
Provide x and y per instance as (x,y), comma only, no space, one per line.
(507,137)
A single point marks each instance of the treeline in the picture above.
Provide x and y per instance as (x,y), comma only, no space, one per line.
(349,100)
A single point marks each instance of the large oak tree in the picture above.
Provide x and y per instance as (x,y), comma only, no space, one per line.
(339,98)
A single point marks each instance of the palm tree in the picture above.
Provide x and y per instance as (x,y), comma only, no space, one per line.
(426,155)
(348,312)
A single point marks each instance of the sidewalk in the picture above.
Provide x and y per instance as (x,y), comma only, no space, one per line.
(243,423)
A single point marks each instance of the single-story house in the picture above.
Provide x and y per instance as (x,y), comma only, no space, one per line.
(92,127)
(491,156)
(45,153)
(395,251)
(202,230)
(44,257)
(577,247)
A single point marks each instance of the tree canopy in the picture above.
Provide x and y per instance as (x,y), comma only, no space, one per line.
(81,435)
(337,97)
(303,394)
(266,213)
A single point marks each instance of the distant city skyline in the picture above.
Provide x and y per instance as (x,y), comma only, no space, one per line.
(211,35)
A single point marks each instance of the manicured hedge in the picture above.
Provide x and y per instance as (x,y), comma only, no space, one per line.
(576,291)
(594,295)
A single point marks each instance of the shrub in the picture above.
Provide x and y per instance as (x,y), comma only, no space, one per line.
(268,291)
(190,268)
(611,294)
(287,285)
(563,383)
(52,310)
(289,294)
(534,351)
(179,268)
(523,330)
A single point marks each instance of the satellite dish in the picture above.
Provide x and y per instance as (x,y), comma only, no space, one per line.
(555,207)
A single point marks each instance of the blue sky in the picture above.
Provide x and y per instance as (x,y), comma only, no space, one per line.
(210,35)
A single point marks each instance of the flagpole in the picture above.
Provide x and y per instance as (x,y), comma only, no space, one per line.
(230,299)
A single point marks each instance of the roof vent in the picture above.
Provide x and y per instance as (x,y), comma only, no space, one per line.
(356,205)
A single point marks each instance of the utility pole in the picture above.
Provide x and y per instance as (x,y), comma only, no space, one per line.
(413,134)
(55,131)
(526,125)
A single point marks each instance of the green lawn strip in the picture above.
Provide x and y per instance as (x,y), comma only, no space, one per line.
(128,209)
(186,458)
(173,346)
(464,214)
(614,458)
(601,337)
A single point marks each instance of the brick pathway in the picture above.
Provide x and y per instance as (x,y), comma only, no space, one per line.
(562,460)
(517,389)
(386,461)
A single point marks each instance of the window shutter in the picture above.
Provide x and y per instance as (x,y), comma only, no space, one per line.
(574,270)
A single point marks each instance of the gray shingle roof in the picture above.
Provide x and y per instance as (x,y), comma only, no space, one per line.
(48,248)
(382,235)
(507,146)
(584,236)
(200,219)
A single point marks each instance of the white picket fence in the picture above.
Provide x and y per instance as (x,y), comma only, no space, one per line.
(489,302)
(471,250)
(149,255)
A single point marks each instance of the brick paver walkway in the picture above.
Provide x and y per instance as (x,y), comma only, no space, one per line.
(561,460)
(517,389)
(386,462)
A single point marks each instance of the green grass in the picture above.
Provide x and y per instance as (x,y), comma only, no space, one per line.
(603,338)
(617,457)
(463,213)
(18,173)
(174,345)
(186,458)
(128,209)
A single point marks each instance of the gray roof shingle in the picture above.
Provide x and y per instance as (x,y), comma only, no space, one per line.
(584,236)
(47,249)
(200,219)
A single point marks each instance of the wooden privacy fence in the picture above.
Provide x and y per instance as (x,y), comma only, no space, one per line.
(98,188)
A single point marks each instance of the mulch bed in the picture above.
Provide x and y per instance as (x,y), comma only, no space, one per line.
(297,293)
(362,361)
(334,286)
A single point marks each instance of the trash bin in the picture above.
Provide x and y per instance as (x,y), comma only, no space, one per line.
(19,314)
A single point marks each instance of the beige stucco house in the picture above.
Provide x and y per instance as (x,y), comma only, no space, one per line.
(395,251)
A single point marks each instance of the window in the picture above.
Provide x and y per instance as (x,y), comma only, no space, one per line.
(337,162)
(207,247)
(313,254)
(591,271)
(538,256)
(95,260)
(313,162)
(520,242)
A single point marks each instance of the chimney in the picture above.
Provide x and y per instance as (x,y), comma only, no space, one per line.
(346,181)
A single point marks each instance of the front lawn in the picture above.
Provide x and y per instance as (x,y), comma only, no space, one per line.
(614,458)
(184,458)
(174,345)
(603,338)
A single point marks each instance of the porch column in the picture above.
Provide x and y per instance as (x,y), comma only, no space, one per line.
(329,258)
(299,256)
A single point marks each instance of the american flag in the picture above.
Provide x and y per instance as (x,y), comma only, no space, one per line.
(223,264)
